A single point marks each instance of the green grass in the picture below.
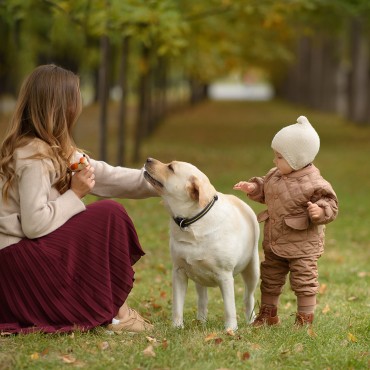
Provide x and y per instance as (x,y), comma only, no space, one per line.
(230,141)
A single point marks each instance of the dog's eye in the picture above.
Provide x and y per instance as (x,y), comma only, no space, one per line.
(171,168)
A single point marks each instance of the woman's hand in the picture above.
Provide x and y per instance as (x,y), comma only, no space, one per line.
(246,187)
(83,181)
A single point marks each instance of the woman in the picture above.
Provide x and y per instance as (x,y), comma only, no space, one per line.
(63,265)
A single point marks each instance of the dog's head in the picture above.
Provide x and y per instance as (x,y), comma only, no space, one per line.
(181,185)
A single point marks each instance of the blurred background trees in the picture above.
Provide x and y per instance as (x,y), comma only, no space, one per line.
(159,54)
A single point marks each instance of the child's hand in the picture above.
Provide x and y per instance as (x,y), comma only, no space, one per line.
(314,211)
(246,187)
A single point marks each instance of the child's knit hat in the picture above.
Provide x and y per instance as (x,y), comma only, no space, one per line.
(298,143)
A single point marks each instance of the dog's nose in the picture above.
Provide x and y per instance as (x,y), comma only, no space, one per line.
(148,160)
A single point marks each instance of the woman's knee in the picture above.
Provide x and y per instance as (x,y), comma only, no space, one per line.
(106,206)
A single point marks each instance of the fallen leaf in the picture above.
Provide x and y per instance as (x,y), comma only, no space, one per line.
(163,294)
(351,338)
(245,356)
(255,346)
(79,364)
(44,352)
(326,309)
(285,352)
(311,332)
(161,268)
(151,339)
(5,333)
(288,305)
(210,337)
(339,259)
(103,346)
(352,298)
(149,352)
(298,347)
(218,340)
(322,288)
(164,343)
(68,359)
(35,356)
(362,274)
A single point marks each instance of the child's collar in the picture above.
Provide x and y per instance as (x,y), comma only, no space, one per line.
(302,172)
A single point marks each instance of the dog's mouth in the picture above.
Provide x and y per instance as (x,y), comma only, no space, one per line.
(152,180)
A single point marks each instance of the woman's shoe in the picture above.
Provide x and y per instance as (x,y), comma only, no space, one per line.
(133,323)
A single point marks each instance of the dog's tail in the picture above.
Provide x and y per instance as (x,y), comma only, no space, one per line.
(256,226)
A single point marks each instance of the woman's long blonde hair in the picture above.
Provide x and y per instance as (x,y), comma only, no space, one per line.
(48,107)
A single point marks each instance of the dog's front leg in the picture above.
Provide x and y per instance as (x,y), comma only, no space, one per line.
(228,295)
(202,302)
(179,287)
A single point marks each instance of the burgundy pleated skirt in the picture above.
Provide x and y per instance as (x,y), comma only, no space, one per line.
(76,277)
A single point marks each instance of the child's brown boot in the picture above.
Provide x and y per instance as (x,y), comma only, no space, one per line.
(266,316)
(303,318)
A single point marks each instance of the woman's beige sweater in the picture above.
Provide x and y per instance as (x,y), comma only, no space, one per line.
(35,208)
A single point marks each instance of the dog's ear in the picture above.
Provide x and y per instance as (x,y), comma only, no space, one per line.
(193,188)
(200,191)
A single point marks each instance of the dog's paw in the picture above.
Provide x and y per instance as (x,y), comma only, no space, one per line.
(250,318)
(178,325)
(231,327)
(202,318)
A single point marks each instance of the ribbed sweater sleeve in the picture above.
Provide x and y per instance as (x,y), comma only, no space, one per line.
(120,182)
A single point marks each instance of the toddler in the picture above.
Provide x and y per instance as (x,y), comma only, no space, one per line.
(299,203)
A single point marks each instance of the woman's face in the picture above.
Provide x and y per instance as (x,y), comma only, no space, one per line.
(282,165)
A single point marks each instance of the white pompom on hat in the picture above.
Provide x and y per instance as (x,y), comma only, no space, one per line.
(298,143)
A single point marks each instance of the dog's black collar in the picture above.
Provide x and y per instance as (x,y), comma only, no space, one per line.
(185,222)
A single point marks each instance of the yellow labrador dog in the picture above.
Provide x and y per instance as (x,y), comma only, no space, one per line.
(213,237)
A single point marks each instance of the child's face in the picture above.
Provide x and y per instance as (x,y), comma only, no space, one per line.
(282,164)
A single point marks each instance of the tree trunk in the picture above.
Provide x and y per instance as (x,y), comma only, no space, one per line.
(297,87)
(198,91)
(316,73)
(158,110)
(316,77)
(325,69)
(330,75)
(143,106)
(359,74)
(303,70)
(163,66)
(122,113)
(103,95)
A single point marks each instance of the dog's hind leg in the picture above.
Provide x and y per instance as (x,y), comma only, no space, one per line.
(227,290)
(179,287)
(251,276)
(202,293)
